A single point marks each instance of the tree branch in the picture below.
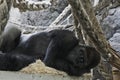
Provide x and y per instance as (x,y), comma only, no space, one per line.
(24,5)
(84,13)
(61,16)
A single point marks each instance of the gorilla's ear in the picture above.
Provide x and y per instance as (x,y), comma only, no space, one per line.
(93,56)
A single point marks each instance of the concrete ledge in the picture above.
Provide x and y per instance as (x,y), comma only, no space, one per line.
(6,75)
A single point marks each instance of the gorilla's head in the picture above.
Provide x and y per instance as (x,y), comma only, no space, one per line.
(84,57)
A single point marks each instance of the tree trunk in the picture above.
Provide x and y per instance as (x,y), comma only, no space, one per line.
(89,26)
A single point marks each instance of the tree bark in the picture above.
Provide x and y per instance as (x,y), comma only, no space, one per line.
(84,14)
(61,16)
(88,24)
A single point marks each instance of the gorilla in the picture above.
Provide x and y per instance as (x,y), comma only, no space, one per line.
(58,49)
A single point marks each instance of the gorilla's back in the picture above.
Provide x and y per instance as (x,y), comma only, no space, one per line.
(33,44)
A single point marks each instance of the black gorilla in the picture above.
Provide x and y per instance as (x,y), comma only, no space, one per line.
(57,48)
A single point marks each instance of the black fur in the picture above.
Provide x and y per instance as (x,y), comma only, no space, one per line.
(58,49)
(14,62)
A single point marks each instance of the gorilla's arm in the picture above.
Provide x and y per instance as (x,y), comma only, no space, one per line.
(68,67)
(62,42)
(14,62)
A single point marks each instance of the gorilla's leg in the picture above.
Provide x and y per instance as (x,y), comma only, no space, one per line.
(14,62)
(10,38)
(62,42)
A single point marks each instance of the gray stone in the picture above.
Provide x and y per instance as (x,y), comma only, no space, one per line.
(115,41)
(43,17)
(5,75)
(111,23)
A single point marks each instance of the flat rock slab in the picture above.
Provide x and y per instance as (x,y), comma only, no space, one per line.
(6,75)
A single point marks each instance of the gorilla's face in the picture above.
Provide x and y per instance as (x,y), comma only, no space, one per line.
(78,56)
(84,57)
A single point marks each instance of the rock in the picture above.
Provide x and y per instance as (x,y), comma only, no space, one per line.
(112,22)
(43,17)
(115,41)
(6,75)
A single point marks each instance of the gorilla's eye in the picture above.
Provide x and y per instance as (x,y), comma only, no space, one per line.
(80,59)
(81,53)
